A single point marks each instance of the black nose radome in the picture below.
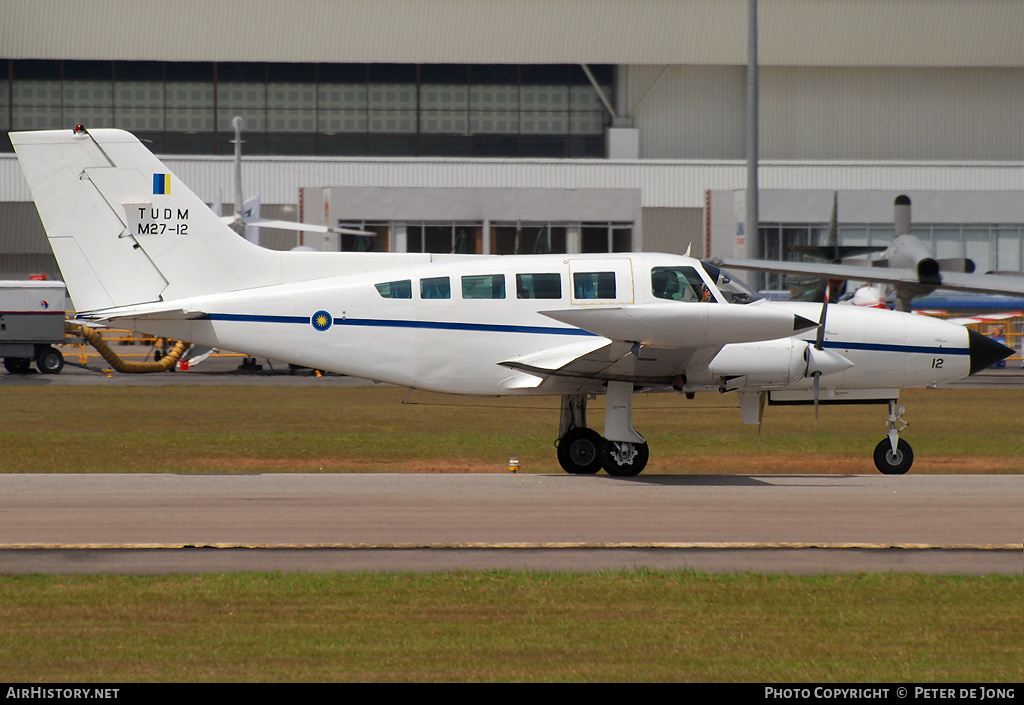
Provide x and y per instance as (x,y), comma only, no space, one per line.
(985,352)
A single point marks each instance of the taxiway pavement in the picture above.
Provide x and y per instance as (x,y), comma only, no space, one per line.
(788,523)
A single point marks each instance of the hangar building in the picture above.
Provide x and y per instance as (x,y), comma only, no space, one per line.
(499,126)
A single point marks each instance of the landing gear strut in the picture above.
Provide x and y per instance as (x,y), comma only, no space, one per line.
(622,452)
(893,455)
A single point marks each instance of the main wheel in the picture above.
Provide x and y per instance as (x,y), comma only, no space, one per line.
(50,361)
(578,451)
(890,463)
(17,365)
(624,459)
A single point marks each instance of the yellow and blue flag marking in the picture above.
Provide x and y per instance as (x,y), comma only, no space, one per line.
(162,184)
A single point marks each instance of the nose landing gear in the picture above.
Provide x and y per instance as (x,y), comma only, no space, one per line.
(893,455)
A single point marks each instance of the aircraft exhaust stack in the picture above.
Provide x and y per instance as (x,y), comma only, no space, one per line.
(901,215)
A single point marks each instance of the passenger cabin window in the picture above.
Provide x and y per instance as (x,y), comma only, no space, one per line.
(593,285)
(435,288)
(484,286)
(395,290)
(539,286)
(679,284)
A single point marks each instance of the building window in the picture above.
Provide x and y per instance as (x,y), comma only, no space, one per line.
(318,109)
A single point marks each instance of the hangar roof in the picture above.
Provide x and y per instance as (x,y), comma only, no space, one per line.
(908,33)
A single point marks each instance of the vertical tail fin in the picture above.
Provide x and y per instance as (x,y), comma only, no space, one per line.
(124,229)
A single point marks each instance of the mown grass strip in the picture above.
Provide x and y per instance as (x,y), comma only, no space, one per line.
(508,626)
(369,429)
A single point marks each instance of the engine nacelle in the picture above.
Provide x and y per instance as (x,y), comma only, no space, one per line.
(769,363)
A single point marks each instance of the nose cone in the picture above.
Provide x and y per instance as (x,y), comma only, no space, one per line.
(985,352)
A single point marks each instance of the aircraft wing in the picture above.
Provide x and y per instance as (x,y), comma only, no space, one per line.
(653,343)
(981,283)
(292,225)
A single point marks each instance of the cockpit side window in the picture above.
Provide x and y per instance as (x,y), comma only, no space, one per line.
(679,284)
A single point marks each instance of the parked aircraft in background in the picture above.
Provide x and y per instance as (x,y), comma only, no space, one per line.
(138,249)
(907,265)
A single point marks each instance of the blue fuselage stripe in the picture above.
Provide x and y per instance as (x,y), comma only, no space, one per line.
(889,347)
(545,330)
(423,325)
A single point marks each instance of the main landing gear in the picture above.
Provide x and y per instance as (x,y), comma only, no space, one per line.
(622,452)
(893,455)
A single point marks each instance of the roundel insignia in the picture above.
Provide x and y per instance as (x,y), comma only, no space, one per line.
(321,320)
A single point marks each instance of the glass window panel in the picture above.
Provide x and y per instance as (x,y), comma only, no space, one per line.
(679,284)
(593,285)
(342,121)
(88,93)
(392,96)
(342,96)
(544,97)
(291,121)
(589,123)
(291,95)
(395,290)
(98,116)
(36,118)
(129,94)
(436,288)
(392,121)
(189,94)
(444,121)
(494,122)
(539,286)
(586,98)
(241,95)
(494,97)
(543,123)
(139,119)
(182,120)
(483,286)
(36,92)
(439,97)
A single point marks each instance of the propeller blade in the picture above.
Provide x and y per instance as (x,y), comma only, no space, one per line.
(817,387)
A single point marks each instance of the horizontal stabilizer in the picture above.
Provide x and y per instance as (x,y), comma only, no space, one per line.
(149,312)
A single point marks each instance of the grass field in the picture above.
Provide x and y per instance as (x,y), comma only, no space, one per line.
(369,429)
(638,626)
(621,627)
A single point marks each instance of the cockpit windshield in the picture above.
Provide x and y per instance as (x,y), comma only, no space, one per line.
(734,291)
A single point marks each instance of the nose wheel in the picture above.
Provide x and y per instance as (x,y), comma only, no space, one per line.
(893,455)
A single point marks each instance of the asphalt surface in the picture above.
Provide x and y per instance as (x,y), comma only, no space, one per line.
(790,523)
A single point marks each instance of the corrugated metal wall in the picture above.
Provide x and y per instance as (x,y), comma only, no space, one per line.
(664,184)
(794,32)
(823,114)
(892,113)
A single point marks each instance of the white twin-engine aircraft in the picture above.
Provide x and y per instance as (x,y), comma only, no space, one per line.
(138,249)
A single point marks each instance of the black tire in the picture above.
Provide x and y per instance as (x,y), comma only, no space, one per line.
(50,361)
(889,463)
(624,459)
(17,365)
(579,451)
